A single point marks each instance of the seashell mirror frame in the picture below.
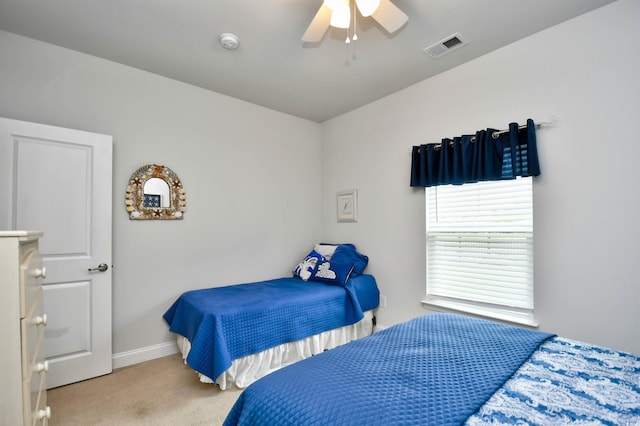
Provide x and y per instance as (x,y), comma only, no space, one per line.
(155,192)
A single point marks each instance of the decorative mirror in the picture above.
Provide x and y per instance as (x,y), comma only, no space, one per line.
(155,192)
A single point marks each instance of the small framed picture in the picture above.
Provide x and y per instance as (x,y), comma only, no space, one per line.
(151,201)
(347,206)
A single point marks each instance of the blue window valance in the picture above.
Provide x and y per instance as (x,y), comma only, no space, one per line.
(488,155)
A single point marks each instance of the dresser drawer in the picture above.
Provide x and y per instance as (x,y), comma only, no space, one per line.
(31,274)
(32,331)
(36,411)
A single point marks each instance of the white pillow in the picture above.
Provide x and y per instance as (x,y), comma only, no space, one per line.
(326,250)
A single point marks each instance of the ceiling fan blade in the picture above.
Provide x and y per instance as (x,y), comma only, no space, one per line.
(389,16)
(318,26)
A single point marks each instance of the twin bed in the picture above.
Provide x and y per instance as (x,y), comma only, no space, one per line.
(273,338)
(234,335)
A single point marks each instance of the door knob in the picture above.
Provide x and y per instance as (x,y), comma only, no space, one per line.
(101,267)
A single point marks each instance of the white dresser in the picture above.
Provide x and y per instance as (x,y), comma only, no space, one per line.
(23,399)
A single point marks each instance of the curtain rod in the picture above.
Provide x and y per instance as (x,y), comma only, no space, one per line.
(540,125)
(494,135)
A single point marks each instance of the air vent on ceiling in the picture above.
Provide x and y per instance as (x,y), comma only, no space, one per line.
(445,46)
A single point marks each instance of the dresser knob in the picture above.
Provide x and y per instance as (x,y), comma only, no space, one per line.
(41,273)
(46,413)
(42,367)
(41,320)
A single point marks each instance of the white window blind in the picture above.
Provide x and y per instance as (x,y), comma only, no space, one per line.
(480,248)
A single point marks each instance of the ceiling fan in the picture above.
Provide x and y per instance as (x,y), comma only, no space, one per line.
(340,14)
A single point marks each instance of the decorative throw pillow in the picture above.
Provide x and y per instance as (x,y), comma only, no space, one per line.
(308,265)
(332,272)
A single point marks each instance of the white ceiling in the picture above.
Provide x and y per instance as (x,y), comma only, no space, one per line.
(272,67)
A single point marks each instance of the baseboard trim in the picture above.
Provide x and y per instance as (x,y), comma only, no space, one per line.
(136,356)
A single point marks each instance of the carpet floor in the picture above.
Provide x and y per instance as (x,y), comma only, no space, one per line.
(162,391)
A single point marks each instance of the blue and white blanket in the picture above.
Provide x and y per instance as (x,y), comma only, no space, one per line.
(226,323)
(568,382)
(437,369)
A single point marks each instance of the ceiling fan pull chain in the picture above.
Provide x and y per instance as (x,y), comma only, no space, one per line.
(355,36)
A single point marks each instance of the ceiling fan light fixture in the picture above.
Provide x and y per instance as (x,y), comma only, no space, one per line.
(334,4)
(341,16)
(337,13)
(367,7)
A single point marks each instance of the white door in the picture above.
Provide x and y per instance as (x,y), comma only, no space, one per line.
(58,181)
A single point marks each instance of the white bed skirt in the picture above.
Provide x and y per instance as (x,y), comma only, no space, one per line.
(246,370)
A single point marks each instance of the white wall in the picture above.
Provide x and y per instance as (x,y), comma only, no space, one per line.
(246,169)
(586,202)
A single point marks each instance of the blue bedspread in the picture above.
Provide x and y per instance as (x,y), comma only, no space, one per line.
(226,323)
(437,369)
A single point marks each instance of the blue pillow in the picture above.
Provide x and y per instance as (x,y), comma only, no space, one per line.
(308,265)
(347,254)
(332,272)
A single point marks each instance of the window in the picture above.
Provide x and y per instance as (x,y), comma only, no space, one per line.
(480,248)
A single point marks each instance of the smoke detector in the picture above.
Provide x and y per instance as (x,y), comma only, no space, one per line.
(445,46)
(229,41)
